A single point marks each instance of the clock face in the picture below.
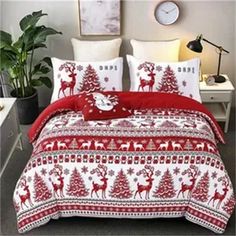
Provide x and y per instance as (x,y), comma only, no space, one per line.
(210,80)
(167,12)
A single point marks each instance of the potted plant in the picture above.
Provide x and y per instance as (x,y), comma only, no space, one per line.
(18,60)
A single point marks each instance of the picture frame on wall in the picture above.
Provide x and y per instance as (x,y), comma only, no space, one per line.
(99,17)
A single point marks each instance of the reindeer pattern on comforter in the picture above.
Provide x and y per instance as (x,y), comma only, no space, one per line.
(159,162)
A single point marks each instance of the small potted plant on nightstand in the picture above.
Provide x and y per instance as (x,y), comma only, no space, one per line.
(18,60)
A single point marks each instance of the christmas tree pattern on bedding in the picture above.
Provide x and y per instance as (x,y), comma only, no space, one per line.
(73,77)
(90,81)
(168,83)
(167,77)
(155,163)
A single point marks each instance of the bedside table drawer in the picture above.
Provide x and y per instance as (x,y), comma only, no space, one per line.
(9,134)
(216,96)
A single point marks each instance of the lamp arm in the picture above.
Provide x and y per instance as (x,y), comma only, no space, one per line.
(219,47)
(219,62)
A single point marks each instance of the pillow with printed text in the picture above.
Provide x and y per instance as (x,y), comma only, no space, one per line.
(168,77)
(73,77)
(103,106)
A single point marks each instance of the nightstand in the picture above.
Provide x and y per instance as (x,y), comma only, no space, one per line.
(217,98)
(10,131)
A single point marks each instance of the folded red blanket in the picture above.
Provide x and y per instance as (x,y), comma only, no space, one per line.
(132,100)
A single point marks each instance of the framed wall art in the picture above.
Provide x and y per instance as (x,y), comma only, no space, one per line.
(99,17)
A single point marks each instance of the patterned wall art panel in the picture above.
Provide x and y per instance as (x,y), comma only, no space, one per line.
(99,17)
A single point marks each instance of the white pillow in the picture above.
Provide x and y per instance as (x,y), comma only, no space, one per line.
(171,77)
(95,50)
(72,77)
(156,50)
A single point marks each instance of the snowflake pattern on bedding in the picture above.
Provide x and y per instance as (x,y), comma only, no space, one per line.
(155,163)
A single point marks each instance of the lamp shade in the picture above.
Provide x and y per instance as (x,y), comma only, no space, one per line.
(195,45)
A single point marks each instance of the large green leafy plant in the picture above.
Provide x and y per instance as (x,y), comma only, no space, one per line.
(18,58)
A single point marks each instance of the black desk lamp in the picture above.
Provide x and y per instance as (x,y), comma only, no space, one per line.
(196,46)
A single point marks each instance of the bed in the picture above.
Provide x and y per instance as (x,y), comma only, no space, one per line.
(160,161)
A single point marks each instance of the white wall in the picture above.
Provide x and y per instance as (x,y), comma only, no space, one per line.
(214,19)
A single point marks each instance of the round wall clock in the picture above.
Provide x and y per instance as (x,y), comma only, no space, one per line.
(167,12)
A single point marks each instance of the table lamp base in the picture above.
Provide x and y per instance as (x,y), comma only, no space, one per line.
(219,78)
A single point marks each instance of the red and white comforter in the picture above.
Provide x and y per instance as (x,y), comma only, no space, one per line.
(160,162)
